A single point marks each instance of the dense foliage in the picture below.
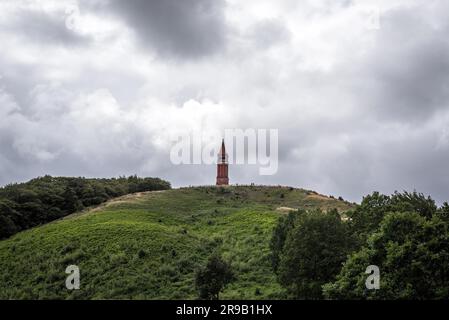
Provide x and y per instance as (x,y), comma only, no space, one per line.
(44,199)
(412,253)
(314,249)
(366,218)
(405,235)
(213,278)
(284,225)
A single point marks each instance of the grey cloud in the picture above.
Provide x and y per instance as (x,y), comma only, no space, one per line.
(185,29)
(406,76)
(77,141)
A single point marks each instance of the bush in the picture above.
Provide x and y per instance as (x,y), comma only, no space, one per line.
(141,253)
(213,278)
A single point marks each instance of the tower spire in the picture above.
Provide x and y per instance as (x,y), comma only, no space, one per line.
(222,166)
(222,152)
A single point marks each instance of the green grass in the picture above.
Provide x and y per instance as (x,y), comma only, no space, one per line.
(148,246)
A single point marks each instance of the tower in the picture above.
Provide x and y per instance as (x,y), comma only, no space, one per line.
(222,166)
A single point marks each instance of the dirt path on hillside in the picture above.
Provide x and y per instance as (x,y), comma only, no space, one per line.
(118,200)
(318,197)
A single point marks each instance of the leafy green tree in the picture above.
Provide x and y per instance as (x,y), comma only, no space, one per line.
(443,212)
(71,201)
(313,253)
(366,218)
(34,213)
(7,226)
(213,278)
(412,253)
(8,218)
(413,202)
(284,225)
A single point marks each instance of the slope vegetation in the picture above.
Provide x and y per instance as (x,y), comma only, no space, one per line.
(148,245)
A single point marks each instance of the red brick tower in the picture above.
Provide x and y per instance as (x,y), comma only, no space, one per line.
(222,167)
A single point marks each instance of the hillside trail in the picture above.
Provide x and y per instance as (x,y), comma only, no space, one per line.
(114,201)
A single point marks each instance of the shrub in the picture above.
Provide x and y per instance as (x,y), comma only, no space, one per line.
(213,278)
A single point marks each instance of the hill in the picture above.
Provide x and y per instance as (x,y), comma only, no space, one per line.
(148,245)
(44,199)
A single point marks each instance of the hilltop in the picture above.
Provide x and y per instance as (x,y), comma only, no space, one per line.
(148,245)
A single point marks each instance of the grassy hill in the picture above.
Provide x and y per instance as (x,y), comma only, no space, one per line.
(148,245)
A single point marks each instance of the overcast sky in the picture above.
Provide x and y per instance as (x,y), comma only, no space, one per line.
(359,90)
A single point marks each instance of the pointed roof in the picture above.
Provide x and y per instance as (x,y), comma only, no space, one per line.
(223,149)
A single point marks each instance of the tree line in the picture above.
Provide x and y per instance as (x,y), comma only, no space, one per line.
(324,255)
(44,199)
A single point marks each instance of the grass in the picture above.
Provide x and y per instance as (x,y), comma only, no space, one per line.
(148,245)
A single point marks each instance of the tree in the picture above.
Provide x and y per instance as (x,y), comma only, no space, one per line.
(443,212)
(413,202)
(313,254)
(283,227)
(412,253)
(7,227)
(72,203)
(366,218)
(213,278)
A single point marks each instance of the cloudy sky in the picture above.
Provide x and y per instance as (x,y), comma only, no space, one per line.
(359,90)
